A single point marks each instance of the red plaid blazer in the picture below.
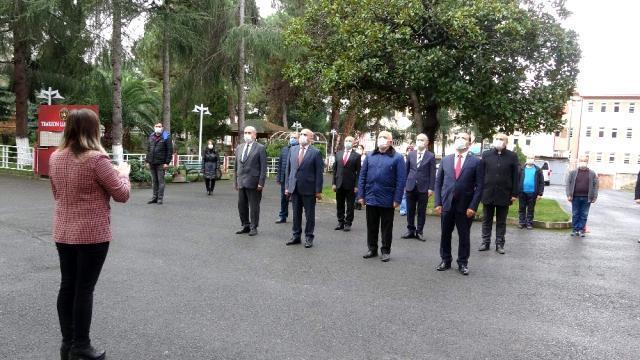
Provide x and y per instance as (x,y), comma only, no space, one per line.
(82,187)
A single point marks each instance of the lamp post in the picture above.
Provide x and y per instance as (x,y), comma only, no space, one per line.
(203,111)
(333,135)
(296,125)
(574,100)
(49,95)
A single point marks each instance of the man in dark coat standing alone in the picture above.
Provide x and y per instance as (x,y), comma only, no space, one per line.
(159,153)
(501,189)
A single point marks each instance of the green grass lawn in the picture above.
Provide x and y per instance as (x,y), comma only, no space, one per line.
(546,209)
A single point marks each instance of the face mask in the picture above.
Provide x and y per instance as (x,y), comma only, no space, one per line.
(210,146)
(158,130)
(347,145)
(293,141)
(582,164)
(420,144)
(498,144)
(461,144)
(248,138)
(304,140)
(383,143)
(529,162)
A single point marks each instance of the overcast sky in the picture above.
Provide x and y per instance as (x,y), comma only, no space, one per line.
(609,40)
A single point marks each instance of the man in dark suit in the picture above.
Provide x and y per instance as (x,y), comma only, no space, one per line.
(458,190)
(250,174)
(346,169)
(501,189)
(281,175)
(304,184)
(421,178)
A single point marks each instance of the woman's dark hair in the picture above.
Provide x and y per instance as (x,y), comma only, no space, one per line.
(82,132)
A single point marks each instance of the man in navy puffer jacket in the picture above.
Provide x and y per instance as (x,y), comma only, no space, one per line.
(380,188)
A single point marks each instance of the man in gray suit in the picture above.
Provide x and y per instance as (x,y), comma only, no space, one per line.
(250,174)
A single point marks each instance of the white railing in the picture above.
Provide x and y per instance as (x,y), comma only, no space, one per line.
(10,158)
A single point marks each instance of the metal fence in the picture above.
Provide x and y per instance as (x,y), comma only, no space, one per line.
(11,158)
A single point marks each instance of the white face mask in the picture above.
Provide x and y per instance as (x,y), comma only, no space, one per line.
(383,143)
(460,144)
(347,145)
(582,164)
(210,146)
(158,130)
(248,138)
(303,139)
(421,144)
(498,144)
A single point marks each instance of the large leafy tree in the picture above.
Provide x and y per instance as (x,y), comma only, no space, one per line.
(499,64)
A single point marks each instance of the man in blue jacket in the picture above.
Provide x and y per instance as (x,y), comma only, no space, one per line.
(531,190)
(380,188)
(303,183)
(459,185)
(281,175)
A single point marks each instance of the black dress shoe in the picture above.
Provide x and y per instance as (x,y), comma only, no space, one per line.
(253,232)
(408,235)
(500,249)
(293,241)
(347,228)
(308,243)
(419,237)
(64,351)
(243,231)
(370,254)
(86,353)
(385,257)
(281,221)
(463,269)
(484,247)
(159,202)
(443,266)
(339,227)
(152,201)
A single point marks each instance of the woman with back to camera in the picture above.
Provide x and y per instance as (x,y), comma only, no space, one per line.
(210,166)
(83,180)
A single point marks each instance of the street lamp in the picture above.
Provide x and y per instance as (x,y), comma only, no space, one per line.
(296,125)
(333,135)
(49,94)
(203,111)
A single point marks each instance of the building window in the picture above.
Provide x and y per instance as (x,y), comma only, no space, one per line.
(616,107)
(629,133)
(632,108)
(590,107)
(601,132)
(528,142)
(571,132)
(515,141)
(614,133)
(627,158)
(599,157)
(603,107)
(588,133)
(612,158)
(638,160)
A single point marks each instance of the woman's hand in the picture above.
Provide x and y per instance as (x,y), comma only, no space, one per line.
(124,169)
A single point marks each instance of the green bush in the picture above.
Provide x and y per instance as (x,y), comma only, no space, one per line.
(274,147)
(139,173)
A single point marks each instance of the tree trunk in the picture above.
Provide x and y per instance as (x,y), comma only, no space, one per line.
(116,62)
(166,71)
(241,80)
(285,121)
(416,110)
(20,85)
(350,119)
(431,124)
(231,108)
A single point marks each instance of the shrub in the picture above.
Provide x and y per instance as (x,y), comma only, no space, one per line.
(139,173)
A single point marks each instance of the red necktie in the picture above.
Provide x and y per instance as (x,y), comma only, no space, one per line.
(300,156)
(458,167)
(345,158)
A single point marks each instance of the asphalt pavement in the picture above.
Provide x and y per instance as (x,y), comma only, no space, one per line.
(179,284)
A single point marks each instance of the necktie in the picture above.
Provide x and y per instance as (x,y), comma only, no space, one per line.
(345,158)
(301,155)
(458,166)
(419,159)
(245,153)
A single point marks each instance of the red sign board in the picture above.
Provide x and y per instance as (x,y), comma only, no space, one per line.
(53,117)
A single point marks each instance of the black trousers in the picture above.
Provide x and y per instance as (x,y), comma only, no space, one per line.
(80,267)
(455,219)
(501,223)
(157,180)
(416,201)
(379,218)
(284,203)
(526,208)
(210,184)
(307,203)
(345,196)
(249,207)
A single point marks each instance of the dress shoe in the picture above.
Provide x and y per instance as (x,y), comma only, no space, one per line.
(522,226)
(575,233)
(243,231)
(385,257)
(159,202)
(582,233)
(152,201)
(463,269)
(419,237)
(209,193)
(408,235)
(370,254)
(443,266)
(253,232)
(339,227)
(308,243)
(500,249)
(484,247)
(529,227)
(347,228)
(64,351)
(86,353)
(293,241)
(281,221)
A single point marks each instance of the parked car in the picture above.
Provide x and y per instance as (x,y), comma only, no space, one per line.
(546,170)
